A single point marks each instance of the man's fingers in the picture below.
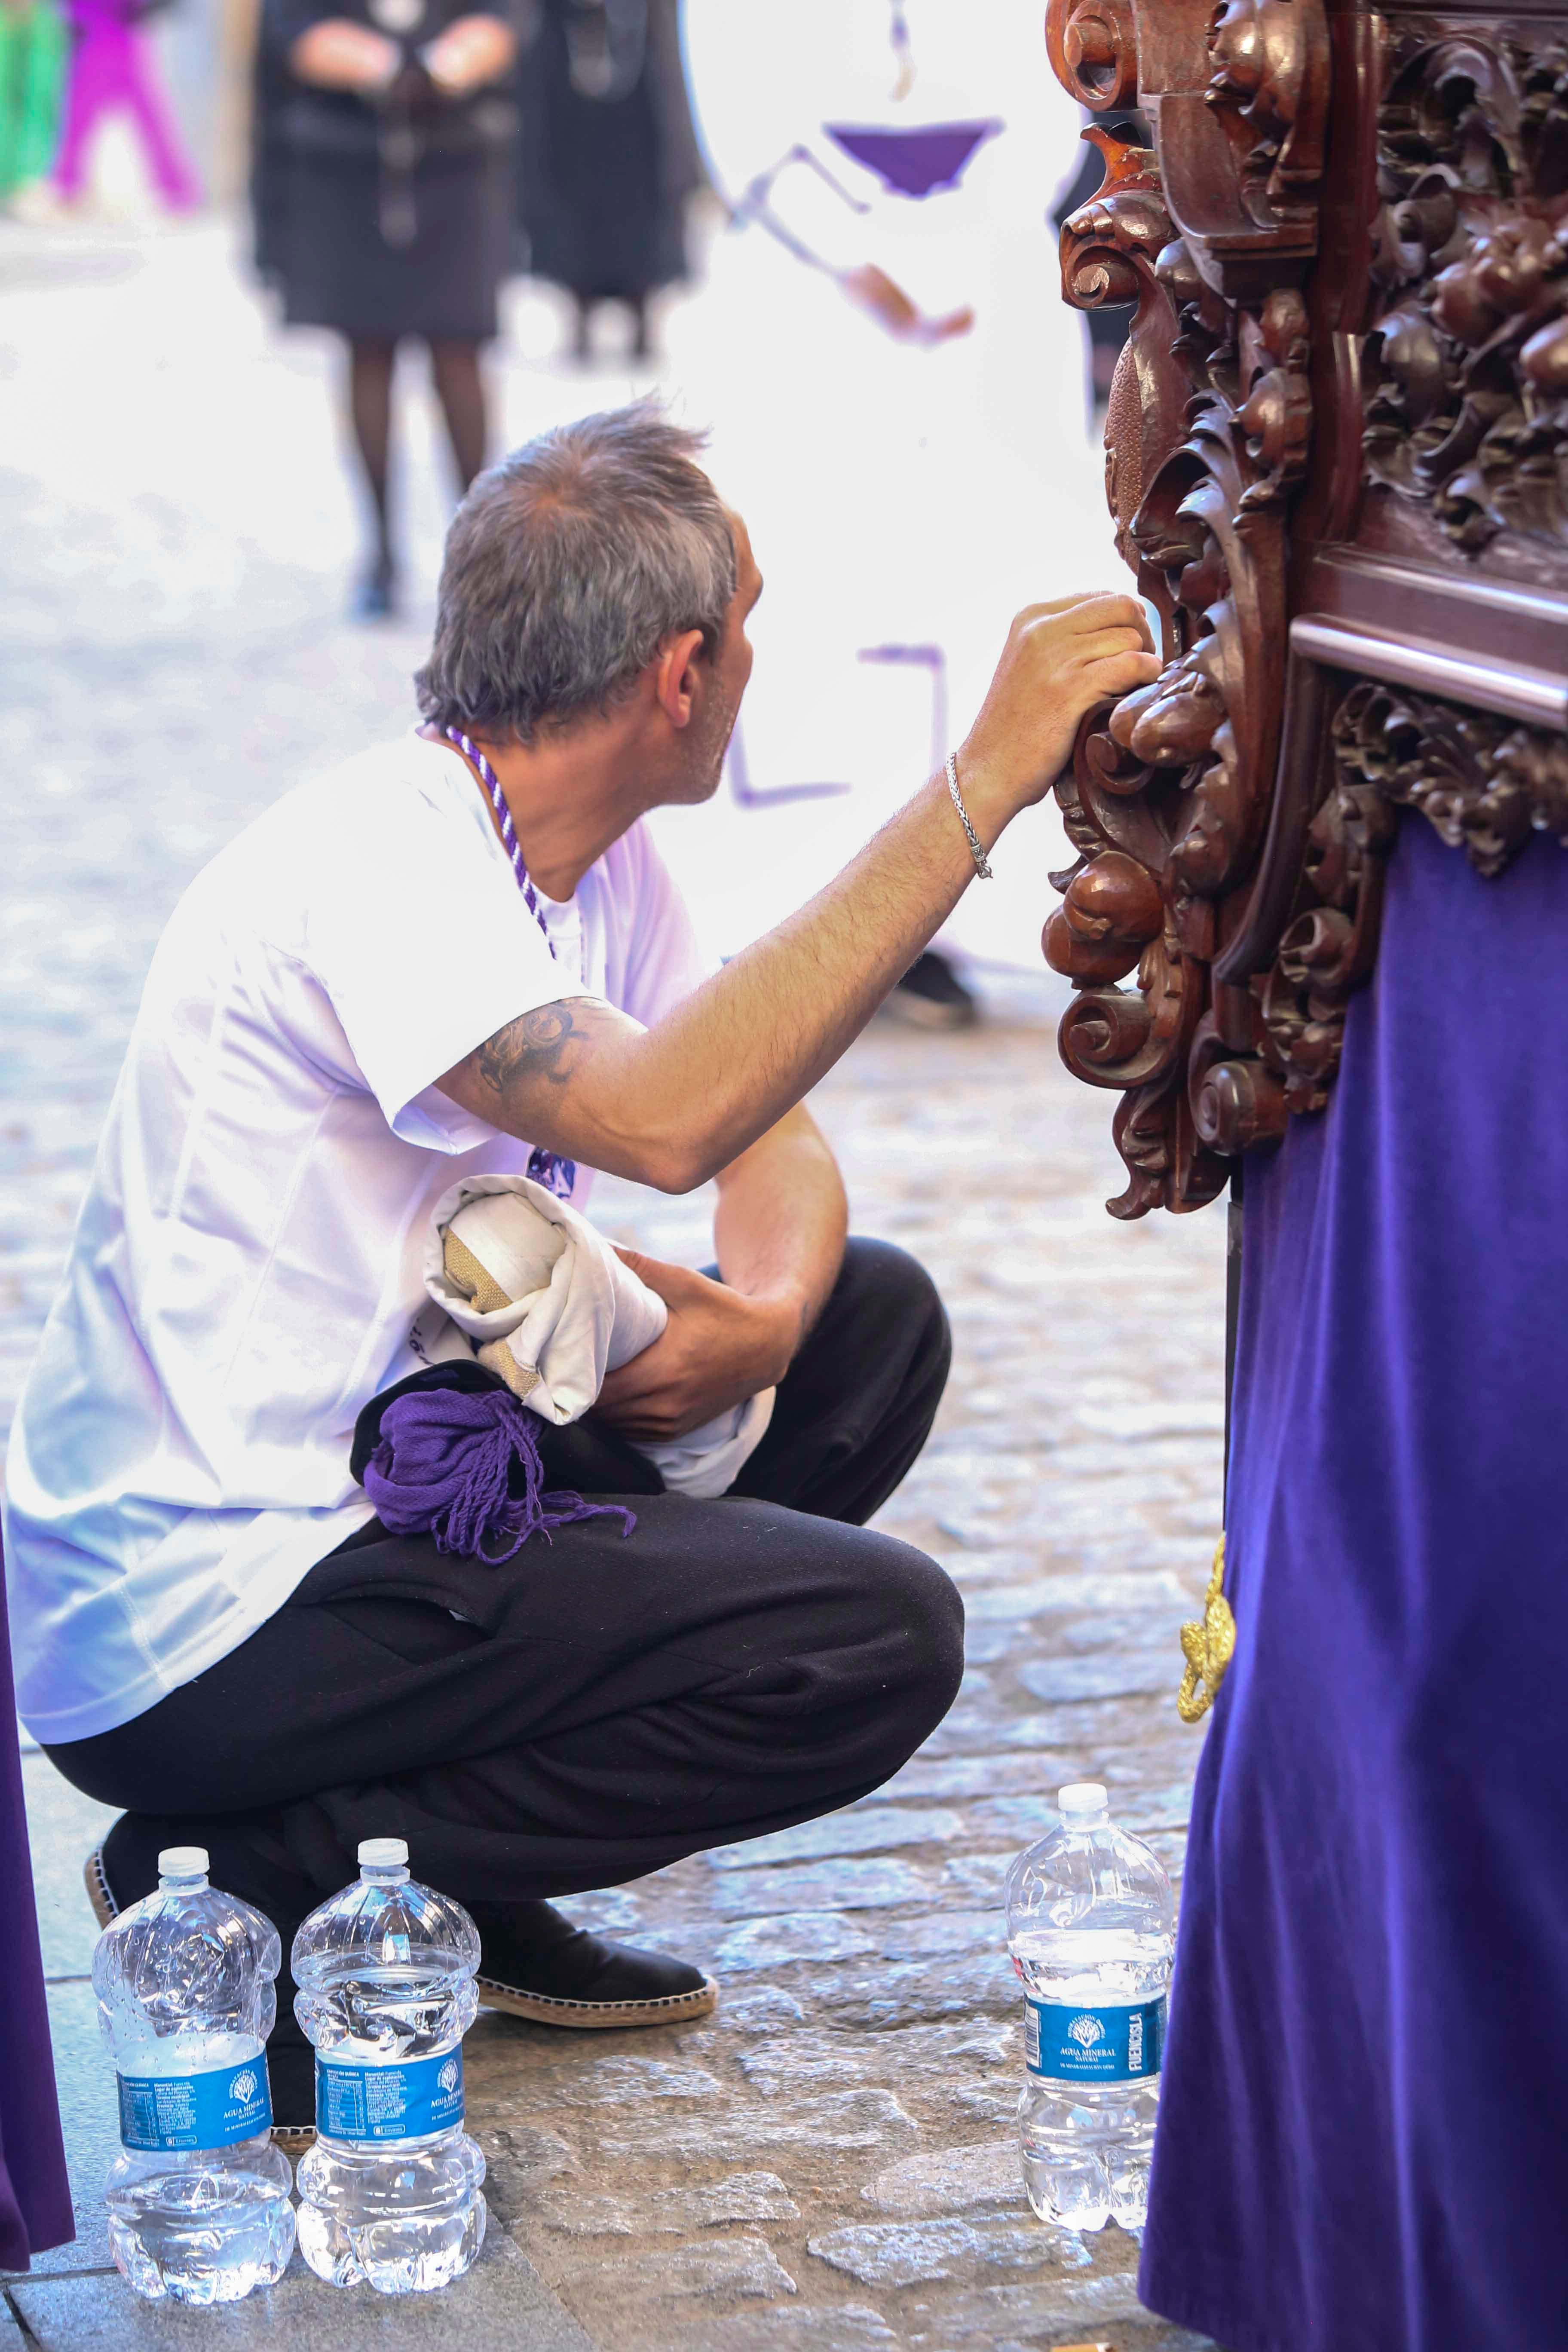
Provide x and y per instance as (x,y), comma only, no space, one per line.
(655,1430)
(642,1402)
(1119,673)
(1045,607)
(1105,643)
(1050,605)
(622,1388)
(1084,616)
(670,1282)
(1094,608)
(1106,611)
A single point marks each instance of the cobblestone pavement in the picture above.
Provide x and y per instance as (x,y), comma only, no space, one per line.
(827,2164)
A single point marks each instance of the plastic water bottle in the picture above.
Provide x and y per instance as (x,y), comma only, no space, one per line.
(390,2191)
(1089,1915)
(198,2197)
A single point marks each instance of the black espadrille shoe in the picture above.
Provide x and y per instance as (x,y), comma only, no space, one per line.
(537,1965)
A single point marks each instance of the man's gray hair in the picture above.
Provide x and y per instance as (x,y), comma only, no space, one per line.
(567,567)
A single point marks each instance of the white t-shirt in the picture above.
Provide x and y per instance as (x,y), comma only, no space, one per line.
(249,1257)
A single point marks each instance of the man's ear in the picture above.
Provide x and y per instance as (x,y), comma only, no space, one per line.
(677,677)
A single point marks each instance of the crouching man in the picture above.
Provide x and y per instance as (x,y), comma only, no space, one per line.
(460,954)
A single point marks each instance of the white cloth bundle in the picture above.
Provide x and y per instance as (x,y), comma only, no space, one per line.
(539,1295)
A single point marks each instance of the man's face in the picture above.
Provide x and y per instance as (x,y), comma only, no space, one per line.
(724,679)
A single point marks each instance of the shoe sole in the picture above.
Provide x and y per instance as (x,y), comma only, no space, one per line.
(105,1910)
(602,2016)
(294,2139)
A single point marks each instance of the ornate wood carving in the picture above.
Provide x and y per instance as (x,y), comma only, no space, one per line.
(1467,364)
(1110,251)
(1233,821)
(1483,784)
(1238,97)
(1208,436)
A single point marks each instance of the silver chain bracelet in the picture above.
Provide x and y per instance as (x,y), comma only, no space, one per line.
(981,866)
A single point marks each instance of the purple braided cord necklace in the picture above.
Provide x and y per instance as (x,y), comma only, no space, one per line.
(547,1167)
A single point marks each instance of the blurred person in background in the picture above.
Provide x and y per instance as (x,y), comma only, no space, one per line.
(609,158)
(882,344)
(32,81)
(114,71)
(384,198)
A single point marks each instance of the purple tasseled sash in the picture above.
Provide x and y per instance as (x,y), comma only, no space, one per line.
(442,1468)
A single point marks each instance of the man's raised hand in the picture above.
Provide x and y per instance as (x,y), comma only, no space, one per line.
(1059,661)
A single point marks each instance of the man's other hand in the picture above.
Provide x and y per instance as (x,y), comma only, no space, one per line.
(717,1348)
(1061,660)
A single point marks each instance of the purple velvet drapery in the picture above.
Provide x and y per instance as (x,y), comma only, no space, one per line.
(34,2196)
(1362,2139)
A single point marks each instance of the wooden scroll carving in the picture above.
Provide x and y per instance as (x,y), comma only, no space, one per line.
(1240,895)
(1209,433)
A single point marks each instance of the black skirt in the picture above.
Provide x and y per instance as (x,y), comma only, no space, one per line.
(604,178)
(327,250)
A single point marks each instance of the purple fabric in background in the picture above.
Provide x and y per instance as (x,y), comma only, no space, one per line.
(915,162)
(1363,2133)
(34,2196)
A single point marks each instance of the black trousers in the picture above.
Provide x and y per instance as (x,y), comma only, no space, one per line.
(600,1705)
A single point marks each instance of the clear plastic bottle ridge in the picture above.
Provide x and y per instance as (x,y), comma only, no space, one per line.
(198,2197)
(1090,1921)
(390,2191)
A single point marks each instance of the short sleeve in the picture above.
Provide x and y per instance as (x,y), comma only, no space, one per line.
(664,962)
(425,947)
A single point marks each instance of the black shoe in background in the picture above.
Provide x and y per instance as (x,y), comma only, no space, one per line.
(931,996)
(374,597)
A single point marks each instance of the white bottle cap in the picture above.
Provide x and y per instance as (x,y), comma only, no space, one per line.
(1082,1797)
(183,1861)
(382,1853)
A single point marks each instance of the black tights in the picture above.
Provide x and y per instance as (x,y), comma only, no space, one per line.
(455,372)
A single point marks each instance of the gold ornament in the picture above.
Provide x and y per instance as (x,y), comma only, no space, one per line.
(1207,1645)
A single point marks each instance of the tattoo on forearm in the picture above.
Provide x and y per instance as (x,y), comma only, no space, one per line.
(535,1046)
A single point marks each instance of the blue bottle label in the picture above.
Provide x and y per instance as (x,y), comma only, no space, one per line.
(212,2109)
(389,2103)
(1104,2044)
